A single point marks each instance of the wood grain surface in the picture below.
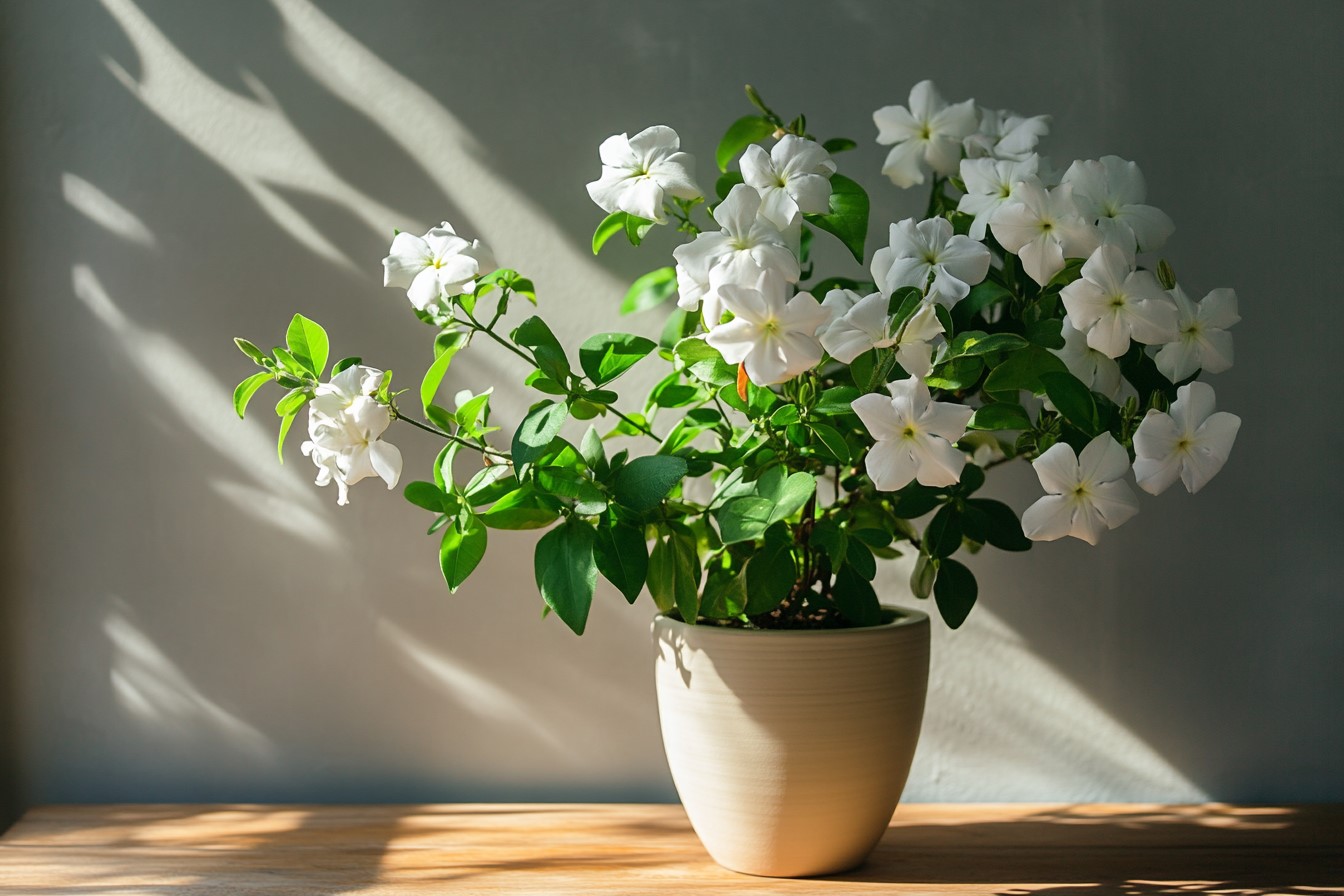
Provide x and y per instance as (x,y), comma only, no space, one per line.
(1008,850)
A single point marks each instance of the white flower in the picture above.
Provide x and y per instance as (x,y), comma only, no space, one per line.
(914,436)
(747,245)
(1113,304)
(794,177)
(1084,495)
(926,135)
(1111,192)
(1191,442)
(438,265)
(838,302)
(1042,228)
(774,339)
(345,425)
(917,252)
(1006,135)
(867,325)
(989,184)
(1204,341)
(638,171)
(1097,371)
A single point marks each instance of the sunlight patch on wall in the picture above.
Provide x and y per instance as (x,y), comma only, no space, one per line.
(201,404)
(105,211)
(151,687)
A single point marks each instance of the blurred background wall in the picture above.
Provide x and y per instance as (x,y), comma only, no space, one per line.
(187,620)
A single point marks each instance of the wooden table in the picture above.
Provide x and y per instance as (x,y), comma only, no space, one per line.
(1134,850)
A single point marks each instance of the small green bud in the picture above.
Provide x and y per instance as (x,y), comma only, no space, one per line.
(1165,275)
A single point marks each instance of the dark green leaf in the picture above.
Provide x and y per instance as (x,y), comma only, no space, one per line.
(535,432)
(611,225)
(704,362)
(645,481)
(608,355)
(1022,370)
(959,373)
(836,401)
(536,335)
(426,495)
(914,501)
(858,557)
(1000,415)
(955,592)
(1001,525)
(345,364)
(674,576)
(566,572)
(623,558)
(461,551)
(1072,399)
(983,295)
(519,509)
(1046,333)
(744,518)
(975,342)
(725,594)
(838,144)
(835,443)
(741,134)
(923,576)
(943,535)
(855,597)
(848,217)
(594,455)
(307,342)
(724,185)
(771,573)
(247,388)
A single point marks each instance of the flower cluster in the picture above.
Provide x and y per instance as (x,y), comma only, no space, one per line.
(1022,317)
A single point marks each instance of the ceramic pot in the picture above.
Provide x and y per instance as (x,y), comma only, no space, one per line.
(790,749)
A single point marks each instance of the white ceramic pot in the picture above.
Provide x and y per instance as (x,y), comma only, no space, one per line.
(790,748)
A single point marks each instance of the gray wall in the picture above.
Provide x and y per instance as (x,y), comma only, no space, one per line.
(191,621)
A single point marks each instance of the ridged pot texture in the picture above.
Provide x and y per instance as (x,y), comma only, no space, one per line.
(790,749)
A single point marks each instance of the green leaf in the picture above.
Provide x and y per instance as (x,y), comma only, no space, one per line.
(914,501)
(461,551)
(623,558)
(566,572)
(744,518)
(704,362)
(645,481)
(861,559)
(793,495)
(536,335)
(741,134)
(594,455)
(1000,415)
(725,595)
(250,350)
(608,355)
(943,535)
(429,386)
(784,415)
(848,217)
(838,144)
(674,576)
(856,598)
(636,228)
(285,423)
(307,342)
(1073,400)
(836,401)
(611,225)
(975,342)
(426,495)
(650,291)
(1000,524)
(835,443)
(959,373)
(1022,370)
(955,592)
(724,185)
(1048,333)
(535,432)
(247,388)
(345,364)
(983,295)
(771,573)
(923,576)
(519,509)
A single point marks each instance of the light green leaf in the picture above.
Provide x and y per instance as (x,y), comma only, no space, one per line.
(285,423)
(247,388)
(650,291)
(1022,370)
(848,217)
(606,356)
(611,225)
(519,509)
(429,386)
(535,432)
(744,518)
(461,551)
(250,350)
(307,342)
(741,134)
(426,495)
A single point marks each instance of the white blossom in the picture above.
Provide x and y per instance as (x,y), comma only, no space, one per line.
(1110,192)
(345,426)
(772,335)
(1095,369)
(1043,227)
(989,184)
(867,325)
(639,171)
(838,302)
(914,436)
(438,265)
(1191,442)
(929,257)
(1112,304)
(1006,135)
(927,135)
(795,176)
(1084,494)
(747,245)
(1203,341)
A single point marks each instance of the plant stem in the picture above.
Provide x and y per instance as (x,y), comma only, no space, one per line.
(434,430)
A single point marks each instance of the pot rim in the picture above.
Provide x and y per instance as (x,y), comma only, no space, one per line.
(900,617)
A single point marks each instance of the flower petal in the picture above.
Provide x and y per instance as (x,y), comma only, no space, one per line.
(891,464)
(1049,519)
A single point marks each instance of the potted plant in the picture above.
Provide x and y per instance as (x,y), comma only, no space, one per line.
(807,427)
